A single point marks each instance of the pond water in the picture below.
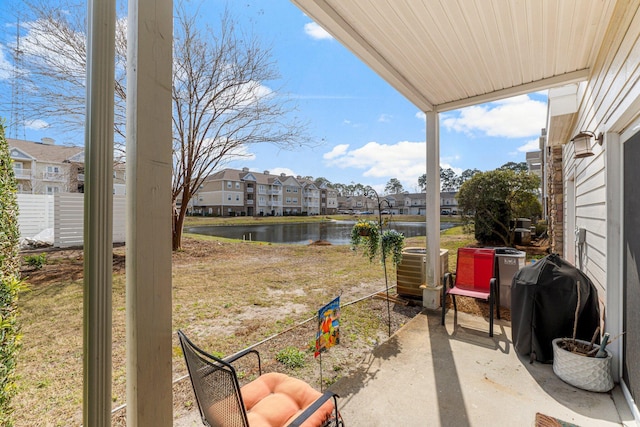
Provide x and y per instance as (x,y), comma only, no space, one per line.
(334,232)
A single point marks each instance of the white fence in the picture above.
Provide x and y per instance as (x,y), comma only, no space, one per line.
(35,214)
(64,213)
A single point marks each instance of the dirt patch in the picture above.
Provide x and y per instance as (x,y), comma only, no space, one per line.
(64,264)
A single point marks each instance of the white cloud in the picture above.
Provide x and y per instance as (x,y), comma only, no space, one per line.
(404,160)
(337,151)
(240,154)
(316,32)
(62,51)
(5,65)
(278,171)
(515,117)
(445,164)
(243,152)
(533,145)
(384,118)
(421,116)
(348,122)
(36,124)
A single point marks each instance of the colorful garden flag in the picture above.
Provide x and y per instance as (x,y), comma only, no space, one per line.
(328,333)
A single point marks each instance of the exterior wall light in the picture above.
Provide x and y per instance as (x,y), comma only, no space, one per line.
(582,143)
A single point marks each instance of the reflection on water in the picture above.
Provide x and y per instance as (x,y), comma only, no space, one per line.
(334,232)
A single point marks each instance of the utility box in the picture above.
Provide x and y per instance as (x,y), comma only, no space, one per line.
(522,236)
(509,261)
(411,271)
(523,223)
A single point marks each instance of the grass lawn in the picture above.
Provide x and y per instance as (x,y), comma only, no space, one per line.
(227,295)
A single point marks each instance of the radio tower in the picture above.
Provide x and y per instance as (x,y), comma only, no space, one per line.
(16,124)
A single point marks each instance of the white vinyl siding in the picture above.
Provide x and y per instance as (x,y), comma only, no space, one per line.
(610,103)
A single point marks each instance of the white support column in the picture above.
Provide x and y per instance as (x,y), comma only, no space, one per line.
(430,296)
(98,214)
(615,258)
(149,79)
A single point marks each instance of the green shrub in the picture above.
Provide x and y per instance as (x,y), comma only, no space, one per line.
(10,285)
(36,261)
(291,357)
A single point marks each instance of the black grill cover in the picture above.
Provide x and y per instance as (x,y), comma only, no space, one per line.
(543,303)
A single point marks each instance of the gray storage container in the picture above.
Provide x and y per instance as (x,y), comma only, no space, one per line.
(509,261)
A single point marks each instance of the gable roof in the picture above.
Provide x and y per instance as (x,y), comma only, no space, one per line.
(16,153)
(417,196)
(242,175)
(48,152)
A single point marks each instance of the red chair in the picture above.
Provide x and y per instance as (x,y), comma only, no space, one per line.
(475,277)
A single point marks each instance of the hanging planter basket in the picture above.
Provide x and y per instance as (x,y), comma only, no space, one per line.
(392,243)
(587,373)
(366,234)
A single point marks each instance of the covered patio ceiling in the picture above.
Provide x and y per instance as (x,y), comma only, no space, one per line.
(447,54)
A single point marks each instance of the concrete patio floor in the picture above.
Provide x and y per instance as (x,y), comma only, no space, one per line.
(456,375)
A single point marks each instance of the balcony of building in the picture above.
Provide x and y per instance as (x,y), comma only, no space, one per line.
(53,176)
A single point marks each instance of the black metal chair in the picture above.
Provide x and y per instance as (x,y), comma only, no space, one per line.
(272,399)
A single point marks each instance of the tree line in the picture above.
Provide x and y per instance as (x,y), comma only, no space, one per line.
(490,200)
(449,181)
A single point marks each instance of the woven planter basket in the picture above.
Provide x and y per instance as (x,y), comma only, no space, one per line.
(587,373)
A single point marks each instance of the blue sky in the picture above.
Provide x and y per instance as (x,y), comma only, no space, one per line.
(371,133)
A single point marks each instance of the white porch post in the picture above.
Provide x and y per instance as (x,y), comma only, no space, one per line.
(433,211)
(149,72)
(615,251)
(98,214)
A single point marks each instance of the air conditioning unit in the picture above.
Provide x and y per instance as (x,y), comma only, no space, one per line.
(411,272)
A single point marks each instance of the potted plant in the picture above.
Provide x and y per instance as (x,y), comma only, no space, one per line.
(392,243)
(366,234)
(580,363)
(583,364)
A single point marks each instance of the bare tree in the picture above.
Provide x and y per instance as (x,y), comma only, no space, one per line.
(221,101)
(221,104)
(51,71)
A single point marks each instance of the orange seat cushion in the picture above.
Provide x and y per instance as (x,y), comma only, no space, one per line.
(276,399)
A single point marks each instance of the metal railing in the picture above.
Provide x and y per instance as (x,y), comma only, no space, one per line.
(53,176)
(22,173)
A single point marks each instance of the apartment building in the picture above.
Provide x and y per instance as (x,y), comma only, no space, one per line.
(354,204)
(233,192)
(328,200)
(415,204)
(448,203)
(46,168)
(398,204)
